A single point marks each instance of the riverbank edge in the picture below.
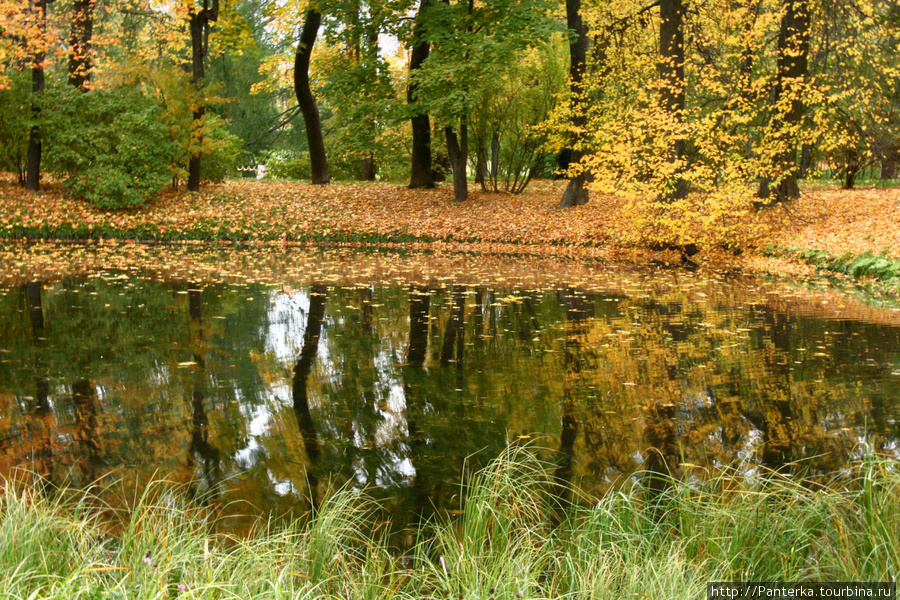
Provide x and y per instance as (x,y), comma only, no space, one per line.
(658,537)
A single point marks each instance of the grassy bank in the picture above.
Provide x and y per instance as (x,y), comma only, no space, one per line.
(503,546)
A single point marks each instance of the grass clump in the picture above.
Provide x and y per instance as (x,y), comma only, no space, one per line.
(508,543)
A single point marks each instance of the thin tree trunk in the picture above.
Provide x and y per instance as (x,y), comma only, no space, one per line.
(576,192)
(80,62)
(33,170)
(458,150)
(421,173)
(199,25)
(317,157)
(671,70)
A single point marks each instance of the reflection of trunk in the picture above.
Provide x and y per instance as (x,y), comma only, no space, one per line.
(578,310)
(366,307)
(35,309)
(419,301)
(200,446)
(662,455)
(87,409)
(317,298)
(454,335)
(39,428)
(776,407)
(421,176)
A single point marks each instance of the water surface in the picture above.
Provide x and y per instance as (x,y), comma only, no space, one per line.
(272,390)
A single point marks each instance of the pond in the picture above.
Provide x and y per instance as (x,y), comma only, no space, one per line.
(264,377)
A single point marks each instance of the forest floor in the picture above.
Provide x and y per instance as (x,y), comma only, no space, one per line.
(825,223)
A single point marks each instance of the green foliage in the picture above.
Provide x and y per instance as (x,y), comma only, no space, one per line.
(222,158)
(287,164)
(109,146)
(15,123)
(507,120)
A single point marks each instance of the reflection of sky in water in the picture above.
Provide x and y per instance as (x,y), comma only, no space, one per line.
(285,326)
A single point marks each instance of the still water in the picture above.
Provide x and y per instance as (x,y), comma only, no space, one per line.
(263,392)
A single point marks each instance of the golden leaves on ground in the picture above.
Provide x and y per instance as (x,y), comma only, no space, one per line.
(609,227)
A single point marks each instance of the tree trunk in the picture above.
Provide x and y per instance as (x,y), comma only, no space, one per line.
(33,170)
(421,176)
(317,158)
(672,97)
(793,66)
(576,192)
(890,162)
(458,150)
(199,25)
(367,168)
(80,62)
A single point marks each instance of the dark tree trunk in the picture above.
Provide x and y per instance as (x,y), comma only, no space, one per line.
(317,158)
(454,335)
(199,25)
(793,66)
(419,301)
(806,156)
(421,175)
(458,150)
(80,62)
(33,170)
(576,192)
(672,97)
(481,168)
(890,162)
(367,168)
(851,169)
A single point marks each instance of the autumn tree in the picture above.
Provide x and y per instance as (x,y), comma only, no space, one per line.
(199,21)
(672,86)
(38,82)
(421,175)
(576,192)
(788,103)
(472,43)
(80,62)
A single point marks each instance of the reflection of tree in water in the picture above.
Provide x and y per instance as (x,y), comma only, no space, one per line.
(579,309)
(318,296)
(200,447)
(40,417)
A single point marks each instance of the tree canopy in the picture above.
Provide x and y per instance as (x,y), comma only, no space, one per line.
(659,99)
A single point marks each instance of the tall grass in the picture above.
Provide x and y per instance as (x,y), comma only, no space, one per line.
(508,542)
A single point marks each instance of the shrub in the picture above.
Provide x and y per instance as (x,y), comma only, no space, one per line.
(108,146)
(288,164)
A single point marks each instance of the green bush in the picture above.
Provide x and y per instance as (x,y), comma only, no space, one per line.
(108,146)
(289,164)
(222,161)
